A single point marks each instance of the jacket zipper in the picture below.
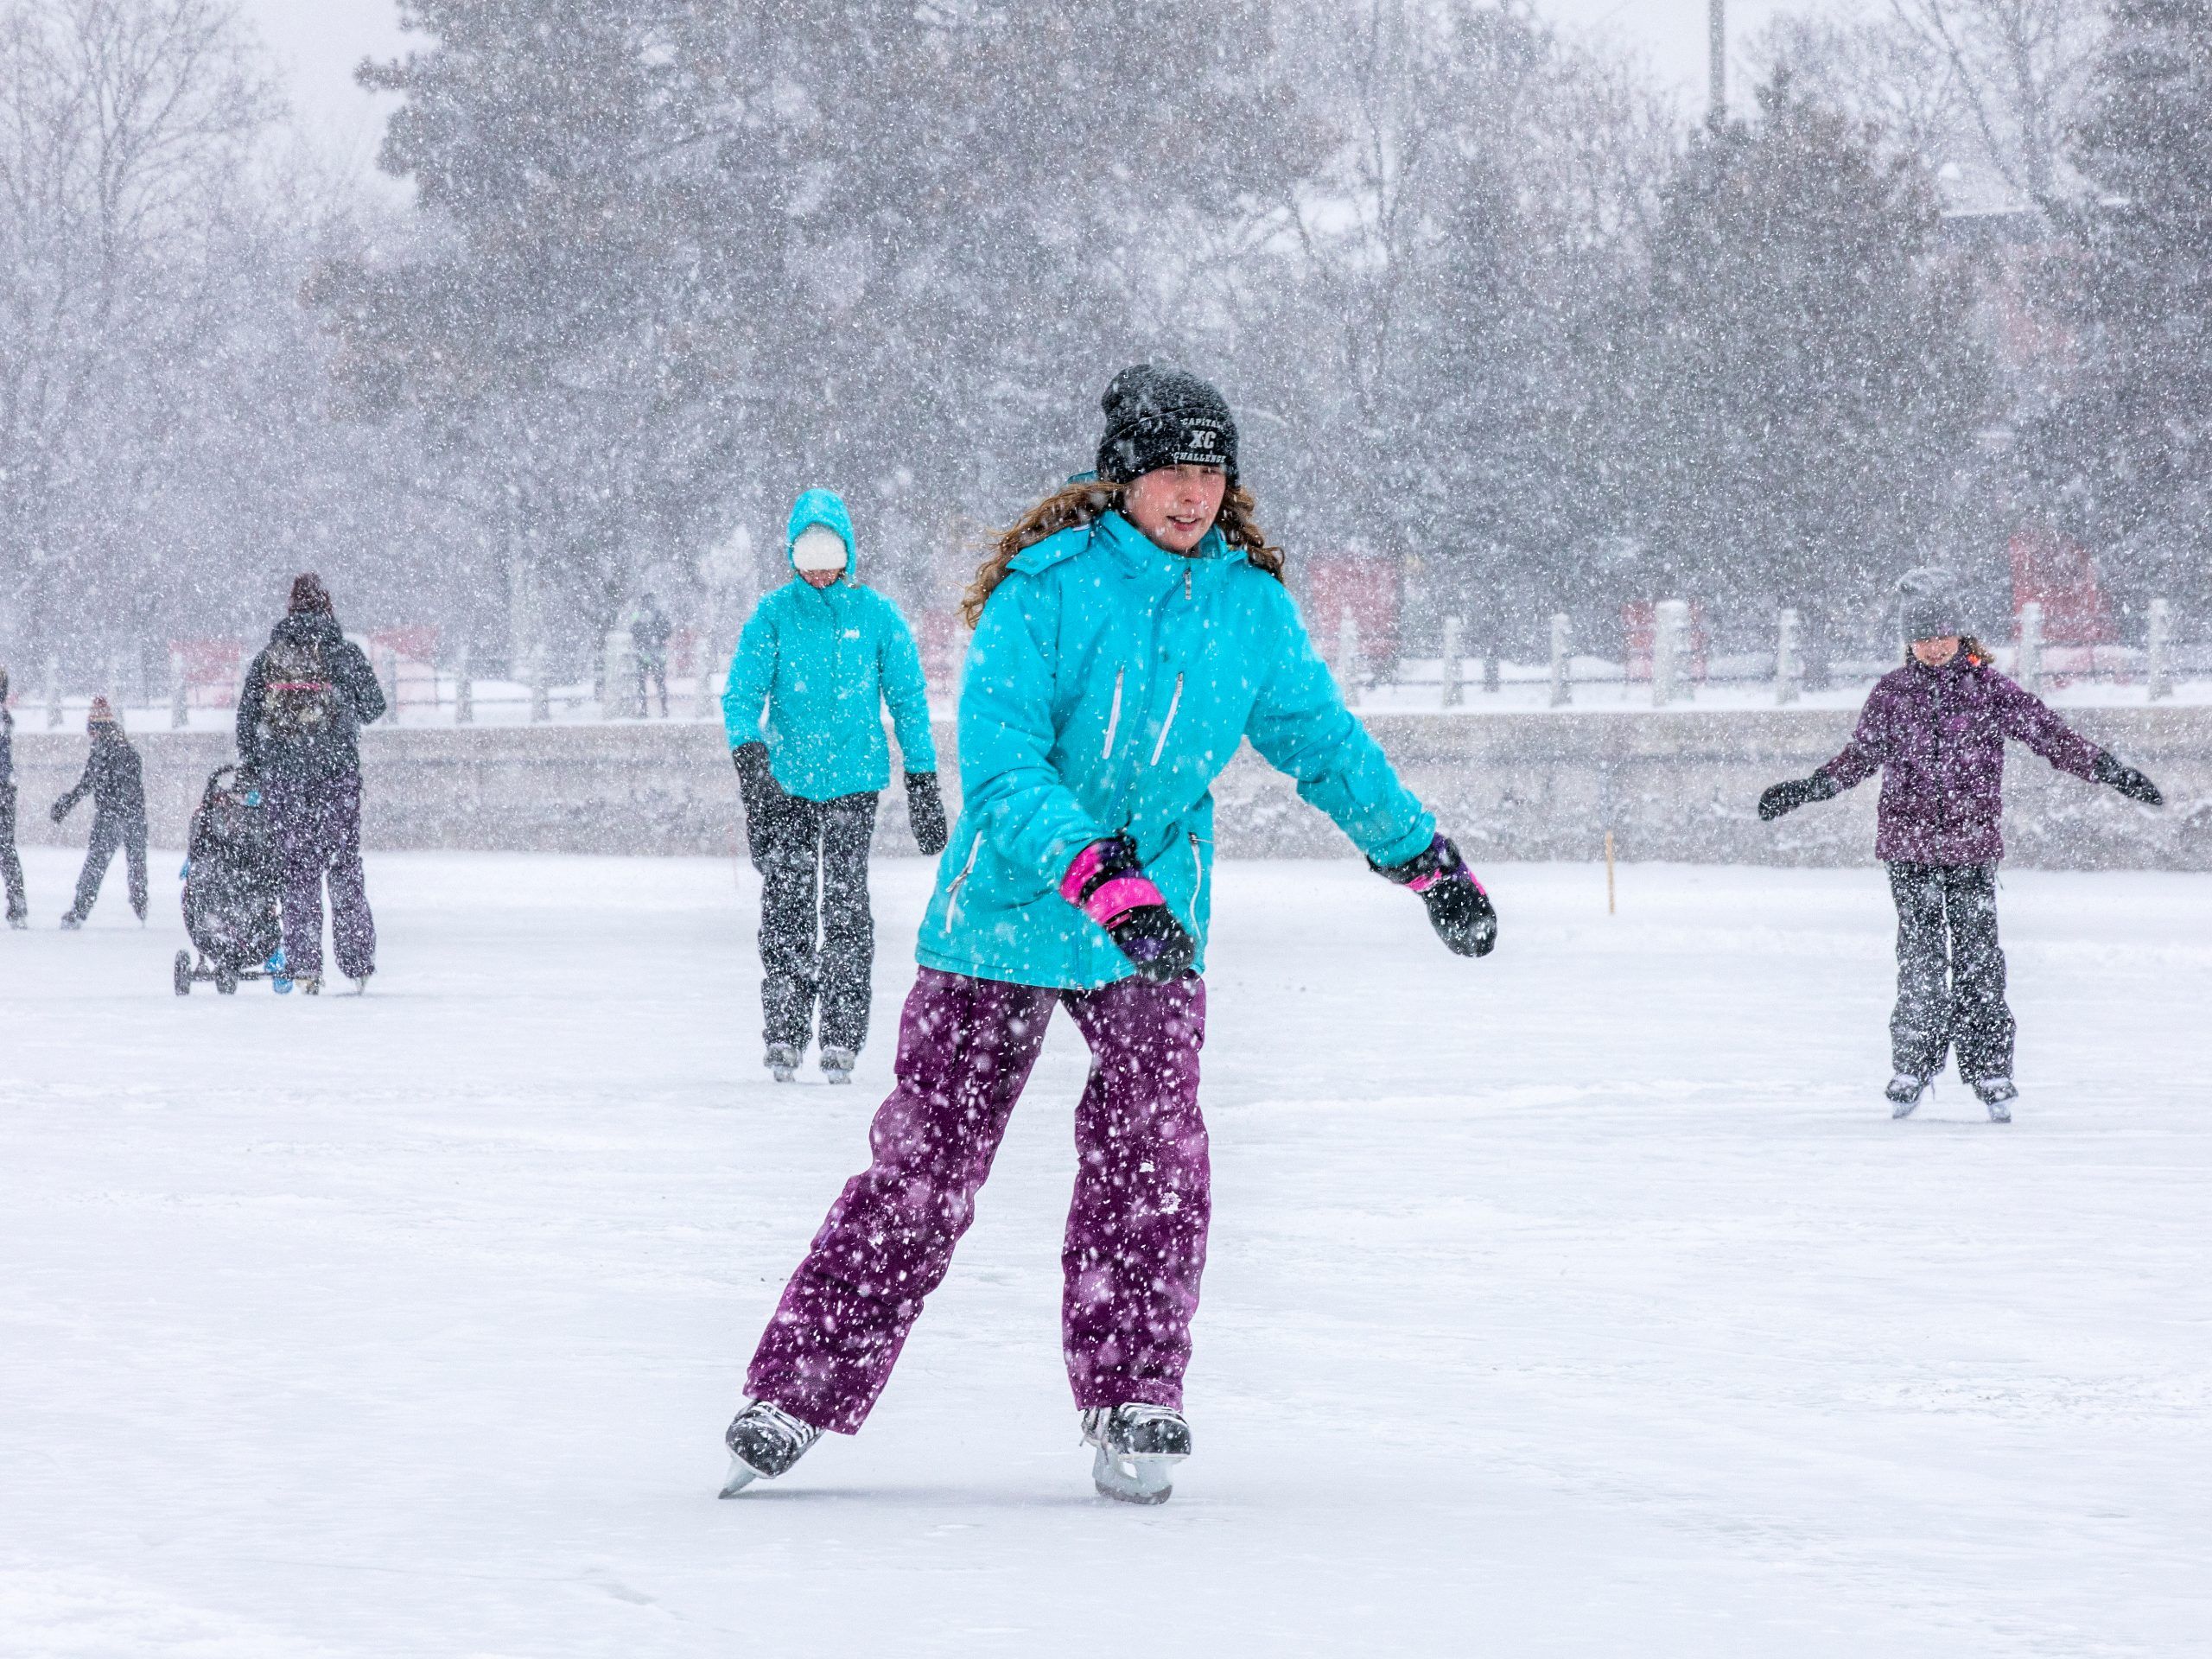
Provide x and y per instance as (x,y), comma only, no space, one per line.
(1114,714)
(952,894)
(1197,875)
(1167,725)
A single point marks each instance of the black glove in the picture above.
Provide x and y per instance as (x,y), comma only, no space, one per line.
(1147,931)
(2125,778)
(60,810)
(926,812)
(1458,909)
(1160,946)
(1788,797)
(763,796)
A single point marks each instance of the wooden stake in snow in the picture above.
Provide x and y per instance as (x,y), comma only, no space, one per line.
(1611,908)
(1349,666)
(1563,661)
(180,705)
(1451,662)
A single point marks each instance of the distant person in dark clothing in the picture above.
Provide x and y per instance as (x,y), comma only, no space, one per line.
(11,868)
(306,697)
(649,632)
(113,779)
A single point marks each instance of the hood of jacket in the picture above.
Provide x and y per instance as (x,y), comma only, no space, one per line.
(826,508)
(308,627)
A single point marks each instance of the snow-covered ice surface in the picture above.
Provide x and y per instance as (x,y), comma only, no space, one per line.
(1583,1301)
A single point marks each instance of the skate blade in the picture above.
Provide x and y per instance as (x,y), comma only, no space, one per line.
(1902,1109)
(741,1475)
(2000,1112)
(1134,1480)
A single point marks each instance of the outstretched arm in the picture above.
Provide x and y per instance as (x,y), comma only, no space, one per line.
(1860,759)
(2026,719)
(1300,726)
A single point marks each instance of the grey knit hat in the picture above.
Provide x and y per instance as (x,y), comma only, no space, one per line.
(1930,603)
(1164,417)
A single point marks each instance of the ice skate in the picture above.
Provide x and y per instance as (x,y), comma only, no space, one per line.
(309,984)
(1997,1094)
(765,1440)
(1139,1446)
(19,922)
(70,921)
(837,1064)
(1904,1092)
(361,985)
(782,1061)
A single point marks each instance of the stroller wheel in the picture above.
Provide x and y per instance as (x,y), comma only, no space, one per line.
(226,982)
(181,976)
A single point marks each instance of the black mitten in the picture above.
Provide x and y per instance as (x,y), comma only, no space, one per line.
(926,812)
(1788,797)
(2129,782)
(763,796)
(1458,909)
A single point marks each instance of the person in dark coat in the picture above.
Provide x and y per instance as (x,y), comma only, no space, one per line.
(306,698)
(648,633)
(1935,729)
(11,868)
(112,777)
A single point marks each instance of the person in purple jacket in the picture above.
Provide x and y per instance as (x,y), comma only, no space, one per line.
(1935,730)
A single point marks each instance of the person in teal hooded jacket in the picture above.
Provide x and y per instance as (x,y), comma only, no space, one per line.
(1131,631)
(815,668)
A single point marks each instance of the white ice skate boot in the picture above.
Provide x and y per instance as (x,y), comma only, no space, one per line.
(837,1063)
(1139,1446)
(782,1062)
(763,1442)
(1904,1092)
(1997,1094)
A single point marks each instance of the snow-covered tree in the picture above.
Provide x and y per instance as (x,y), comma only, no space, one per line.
(1813,387)
(2124,459)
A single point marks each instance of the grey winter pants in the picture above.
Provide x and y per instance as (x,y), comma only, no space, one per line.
(795,845)
(1950,972)
(110,831)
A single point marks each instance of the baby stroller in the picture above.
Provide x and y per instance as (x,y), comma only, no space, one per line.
(230,889)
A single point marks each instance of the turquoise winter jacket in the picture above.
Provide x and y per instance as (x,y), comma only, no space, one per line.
(824,662)
(1110,683)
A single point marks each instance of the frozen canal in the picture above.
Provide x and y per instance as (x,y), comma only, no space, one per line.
(1583,1301)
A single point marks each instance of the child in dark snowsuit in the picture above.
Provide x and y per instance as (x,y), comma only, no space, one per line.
(1935,729)
(113,779)
(11,866)
(1130,633)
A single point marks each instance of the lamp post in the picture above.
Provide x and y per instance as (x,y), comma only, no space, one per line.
(1717,60)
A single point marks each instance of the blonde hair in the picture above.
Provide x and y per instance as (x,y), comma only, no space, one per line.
(1081,502)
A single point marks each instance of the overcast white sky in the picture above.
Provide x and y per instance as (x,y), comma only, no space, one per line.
(318,42)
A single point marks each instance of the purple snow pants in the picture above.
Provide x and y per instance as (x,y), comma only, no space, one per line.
(1136,1235)
(318,824)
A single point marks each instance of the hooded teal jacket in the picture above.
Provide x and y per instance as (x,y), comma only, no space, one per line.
(824,662)
(1110,683)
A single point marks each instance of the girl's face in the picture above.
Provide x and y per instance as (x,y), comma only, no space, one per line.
(1174,507)
(1934,653)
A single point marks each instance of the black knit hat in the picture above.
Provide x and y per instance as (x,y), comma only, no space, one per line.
(1931,604)
(1163,417)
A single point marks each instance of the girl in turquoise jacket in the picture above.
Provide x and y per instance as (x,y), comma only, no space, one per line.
(1131,632)
(803,706)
